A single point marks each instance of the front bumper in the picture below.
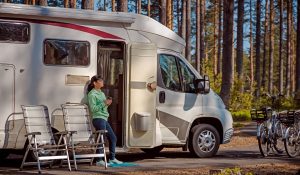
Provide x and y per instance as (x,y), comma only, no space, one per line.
(227,135)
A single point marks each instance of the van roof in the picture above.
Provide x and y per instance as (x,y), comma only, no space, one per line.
(65,13)
(129,20)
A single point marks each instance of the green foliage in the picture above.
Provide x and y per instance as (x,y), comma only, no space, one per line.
(215,80)
(233,171)
(243,115)
(279,104)
(240,100)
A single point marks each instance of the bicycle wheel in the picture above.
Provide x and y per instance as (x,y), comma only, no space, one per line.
(278,137)
(290,143)
(263,143)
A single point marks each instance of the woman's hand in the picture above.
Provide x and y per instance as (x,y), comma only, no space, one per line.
(108,102)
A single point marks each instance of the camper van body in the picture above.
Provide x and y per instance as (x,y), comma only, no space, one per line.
(53,52)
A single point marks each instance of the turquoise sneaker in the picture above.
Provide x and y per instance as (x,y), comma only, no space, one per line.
(101,163)
(115,161)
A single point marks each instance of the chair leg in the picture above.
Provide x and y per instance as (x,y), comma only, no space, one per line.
(36,152)
(104,152)
(73,152)
(39,164)
(25,156)
(68,158)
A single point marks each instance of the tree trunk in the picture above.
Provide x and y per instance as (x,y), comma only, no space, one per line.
(215,39)
(280,82)
(149,8)
(124,5)
(257,62)
(162,12)
(271,59)
(263,81)
(66,4)
(198,35)
(183,22)
(87,4)
(227,66)
(172,15)
(72,4)
(288,48)
(219,37)
(113,5)
(202,25)
(293,63)
(139,6)
(43,3)
(188,31)
(251,51)
(239,45)
(297,78)
(178,17)
(169,14)
(104,5)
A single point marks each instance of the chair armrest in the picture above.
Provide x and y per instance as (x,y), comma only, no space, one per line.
(100,132)
(33,133)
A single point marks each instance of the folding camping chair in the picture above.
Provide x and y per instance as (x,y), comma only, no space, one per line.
(41,139)
(77,123)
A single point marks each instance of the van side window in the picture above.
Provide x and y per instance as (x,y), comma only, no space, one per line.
(16,32)
(188,77)
(66,52)
(169,72)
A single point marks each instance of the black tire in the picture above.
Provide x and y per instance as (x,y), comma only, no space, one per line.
(292,148)
(278,138)
(263,141)
(204,141)
(3,154)
(152,151)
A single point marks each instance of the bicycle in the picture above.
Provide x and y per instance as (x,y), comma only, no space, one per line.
(292,134)
(269,131)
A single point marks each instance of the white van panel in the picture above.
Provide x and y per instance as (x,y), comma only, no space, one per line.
(7,96)
(143,66)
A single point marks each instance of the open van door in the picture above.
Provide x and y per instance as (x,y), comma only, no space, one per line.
(141,125)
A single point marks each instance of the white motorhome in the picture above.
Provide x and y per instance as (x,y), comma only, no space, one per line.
(48,55)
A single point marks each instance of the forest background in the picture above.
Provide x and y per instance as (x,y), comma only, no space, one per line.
(249,48)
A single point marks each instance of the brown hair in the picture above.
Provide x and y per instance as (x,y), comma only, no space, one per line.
(91,84)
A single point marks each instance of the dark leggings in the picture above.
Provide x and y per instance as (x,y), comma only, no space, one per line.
(101,124)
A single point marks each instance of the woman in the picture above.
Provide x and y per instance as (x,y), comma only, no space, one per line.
(98,104)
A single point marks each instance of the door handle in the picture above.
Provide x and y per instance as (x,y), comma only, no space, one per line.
(162,97)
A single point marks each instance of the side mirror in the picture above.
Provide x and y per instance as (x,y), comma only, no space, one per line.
(202,85)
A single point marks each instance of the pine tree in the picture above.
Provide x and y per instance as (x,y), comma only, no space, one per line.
(271,57)
(240,33)
(257,61)
(227,65)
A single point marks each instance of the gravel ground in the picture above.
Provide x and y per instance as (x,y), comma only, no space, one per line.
(241,141)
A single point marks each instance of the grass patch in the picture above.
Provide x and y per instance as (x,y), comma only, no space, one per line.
(243,115)
(237,125)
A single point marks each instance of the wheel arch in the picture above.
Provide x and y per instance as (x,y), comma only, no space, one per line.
(211,121)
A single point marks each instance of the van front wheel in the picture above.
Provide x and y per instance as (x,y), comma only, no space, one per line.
(204,140)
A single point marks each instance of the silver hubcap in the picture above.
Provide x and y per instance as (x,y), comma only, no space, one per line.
(206,141)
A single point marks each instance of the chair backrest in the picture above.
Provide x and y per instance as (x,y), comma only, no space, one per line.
(76,118)
(36,119)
